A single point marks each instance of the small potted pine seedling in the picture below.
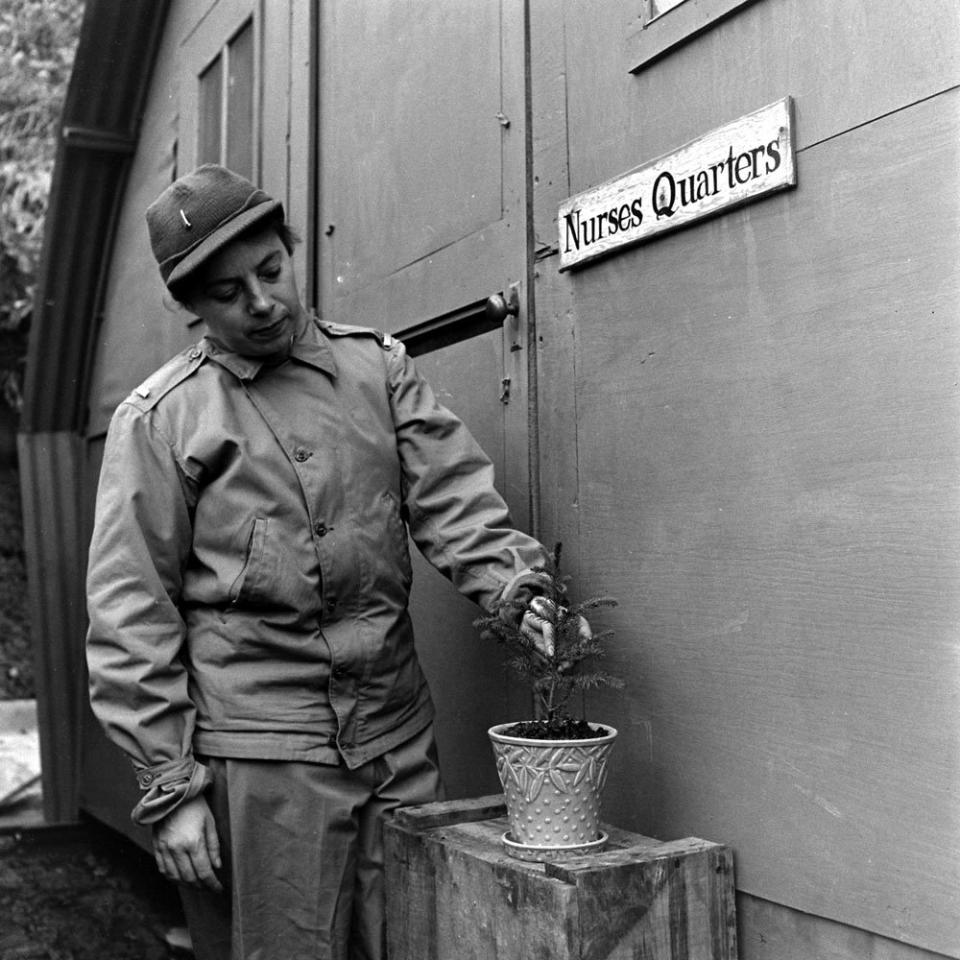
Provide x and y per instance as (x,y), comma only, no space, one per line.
(553,766)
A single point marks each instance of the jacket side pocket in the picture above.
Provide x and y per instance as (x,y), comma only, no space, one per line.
(246,579)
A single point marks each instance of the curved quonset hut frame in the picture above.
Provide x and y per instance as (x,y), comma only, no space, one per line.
(98,136)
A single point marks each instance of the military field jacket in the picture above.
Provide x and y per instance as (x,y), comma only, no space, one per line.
(249,574)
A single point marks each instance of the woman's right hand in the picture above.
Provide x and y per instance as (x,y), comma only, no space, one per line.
(186,846)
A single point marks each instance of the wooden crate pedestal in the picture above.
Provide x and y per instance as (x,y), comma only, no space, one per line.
(454,894)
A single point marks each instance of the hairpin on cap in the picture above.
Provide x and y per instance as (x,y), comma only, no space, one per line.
(186,222)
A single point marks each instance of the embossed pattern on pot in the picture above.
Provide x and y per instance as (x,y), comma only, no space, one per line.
(552,788)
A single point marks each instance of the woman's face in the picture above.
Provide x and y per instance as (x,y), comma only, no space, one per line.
(247,296)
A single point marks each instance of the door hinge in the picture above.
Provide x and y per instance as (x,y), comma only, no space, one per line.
(505,390)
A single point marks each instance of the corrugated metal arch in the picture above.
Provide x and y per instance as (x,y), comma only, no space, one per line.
(99,128)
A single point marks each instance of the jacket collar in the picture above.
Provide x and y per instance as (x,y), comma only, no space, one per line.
(311,348)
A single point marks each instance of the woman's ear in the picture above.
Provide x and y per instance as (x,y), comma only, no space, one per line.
(180,308)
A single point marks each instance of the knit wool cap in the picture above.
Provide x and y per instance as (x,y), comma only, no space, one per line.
(199,214)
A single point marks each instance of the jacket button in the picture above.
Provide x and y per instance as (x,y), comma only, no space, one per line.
(320,528)
(300,455)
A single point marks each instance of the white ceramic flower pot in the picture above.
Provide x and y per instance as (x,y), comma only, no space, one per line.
(552,790)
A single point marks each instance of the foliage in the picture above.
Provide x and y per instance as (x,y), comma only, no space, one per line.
(37,43)
(553,680)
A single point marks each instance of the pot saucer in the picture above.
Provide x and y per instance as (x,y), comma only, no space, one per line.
(540,854)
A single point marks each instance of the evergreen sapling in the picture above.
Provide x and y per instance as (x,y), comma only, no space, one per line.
(556,679)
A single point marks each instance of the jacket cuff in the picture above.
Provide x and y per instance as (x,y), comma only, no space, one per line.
(168,785)
(519,591)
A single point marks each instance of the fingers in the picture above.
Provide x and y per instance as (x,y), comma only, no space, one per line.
(205,874)
(537,625)
(165,863)
(186,846)
(174,863)
(543,607)
(539,631)
(212,861)
(213,842)
(195,867)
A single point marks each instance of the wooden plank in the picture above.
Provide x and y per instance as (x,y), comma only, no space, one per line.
(463,897)
(410,882)
(548,103)
(676,901)
(489,908)
(277,73)
(446,812)
(770,931)
(301,144)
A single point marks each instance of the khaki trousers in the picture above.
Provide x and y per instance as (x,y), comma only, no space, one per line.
(302,849)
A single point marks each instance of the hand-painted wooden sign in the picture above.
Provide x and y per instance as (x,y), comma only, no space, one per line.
(742,161)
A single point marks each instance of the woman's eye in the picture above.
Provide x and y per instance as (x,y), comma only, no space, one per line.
(271,273)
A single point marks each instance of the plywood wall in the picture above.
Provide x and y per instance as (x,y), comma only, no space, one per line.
(765,458)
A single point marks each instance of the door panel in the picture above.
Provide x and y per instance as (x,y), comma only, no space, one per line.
(422,177)
(424,172)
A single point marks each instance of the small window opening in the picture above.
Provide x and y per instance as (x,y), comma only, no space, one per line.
(226,107)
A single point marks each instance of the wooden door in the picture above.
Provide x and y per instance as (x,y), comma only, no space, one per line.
(421,217)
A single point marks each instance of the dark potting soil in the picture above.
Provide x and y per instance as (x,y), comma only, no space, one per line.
(566,729)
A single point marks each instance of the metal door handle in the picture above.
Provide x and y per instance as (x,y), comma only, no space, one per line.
(499,307)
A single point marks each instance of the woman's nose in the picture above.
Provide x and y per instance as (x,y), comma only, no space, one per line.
(256,301)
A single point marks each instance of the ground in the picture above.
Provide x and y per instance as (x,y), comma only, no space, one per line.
(77,893)
(16,656)
(82,894)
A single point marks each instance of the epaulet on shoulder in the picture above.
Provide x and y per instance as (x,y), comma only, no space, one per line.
(162,381)
(349,330)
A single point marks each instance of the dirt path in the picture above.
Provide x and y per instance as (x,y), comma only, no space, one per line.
(82,895)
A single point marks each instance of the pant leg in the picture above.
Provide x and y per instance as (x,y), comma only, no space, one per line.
(289,834)
(302,846)
(405,776)
(208,914)
(294,832)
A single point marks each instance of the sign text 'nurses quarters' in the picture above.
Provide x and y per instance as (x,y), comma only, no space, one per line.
(742,161)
